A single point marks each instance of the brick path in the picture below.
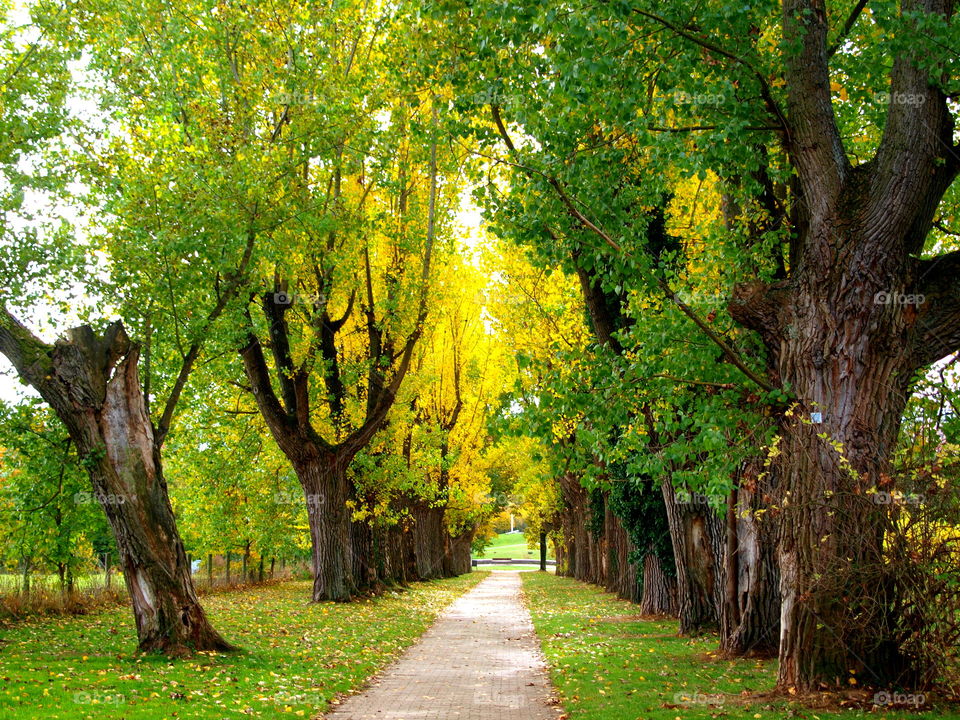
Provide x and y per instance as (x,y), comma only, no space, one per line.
(479,661)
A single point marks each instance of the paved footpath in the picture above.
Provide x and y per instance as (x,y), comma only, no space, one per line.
(479,661)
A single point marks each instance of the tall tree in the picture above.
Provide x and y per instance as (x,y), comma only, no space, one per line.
(834,131)
(321,460)
(91,380)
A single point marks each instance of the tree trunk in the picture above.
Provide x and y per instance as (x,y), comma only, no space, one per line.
(849,357)
(327,491)
(92,384)
(580,548)
(621,573)
(366,568)
(696,532)
(659,589)
(832,562)
(460,561)
(25,585)
(858,316)
(750,615)
(129,481)
(429,533)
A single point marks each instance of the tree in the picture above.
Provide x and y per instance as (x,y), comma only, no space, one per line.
(91,381)
(50,518)
(834,175)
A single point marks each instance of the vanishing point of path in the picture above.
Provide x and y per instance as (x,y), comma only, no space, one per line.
(479,661)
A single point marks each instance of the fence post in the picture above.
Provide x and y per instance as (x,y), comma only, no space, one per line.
(210,569)
(228,567)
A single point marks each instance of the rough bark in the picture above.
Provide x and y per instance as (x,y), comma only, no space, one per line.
(92,384)
(845,333)
(659,596)
(696,533)
(327,490)
(429,540)
(460,546)
(621,573)
(750,614)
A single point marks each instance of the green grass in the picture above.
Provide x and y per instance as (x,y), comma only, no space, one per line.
(608,665)
(518,568)
(513,546)
(296,657)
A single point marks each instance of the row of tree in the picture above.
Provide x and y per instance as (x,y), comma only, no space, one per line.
(751,210)
(251,207)
(737,225)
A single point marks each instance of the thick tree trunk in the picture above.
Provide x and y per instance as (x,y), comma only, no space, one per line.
(849,357)
(25,567)
(859,314)
(366,563)
(579,555)
(697,535)
(326,490)
(92,384)
(128,481)
(460,563)
(621,573)
(750,615)
(394,541)
(659,589)
(429,538)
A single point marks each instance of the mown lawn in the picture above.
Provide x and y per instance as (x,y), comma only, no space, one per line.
(608,665)
(296,657)
(513,546)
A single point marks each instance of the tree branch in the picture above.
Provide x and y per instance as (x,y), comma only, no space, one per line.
(814,143)
(231,291)
(847,27)
(939,314)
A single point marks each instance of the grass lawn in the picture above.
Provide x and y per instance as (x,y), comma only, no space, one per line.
(296,657)
(513,546)
(608,665)
(517,568)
